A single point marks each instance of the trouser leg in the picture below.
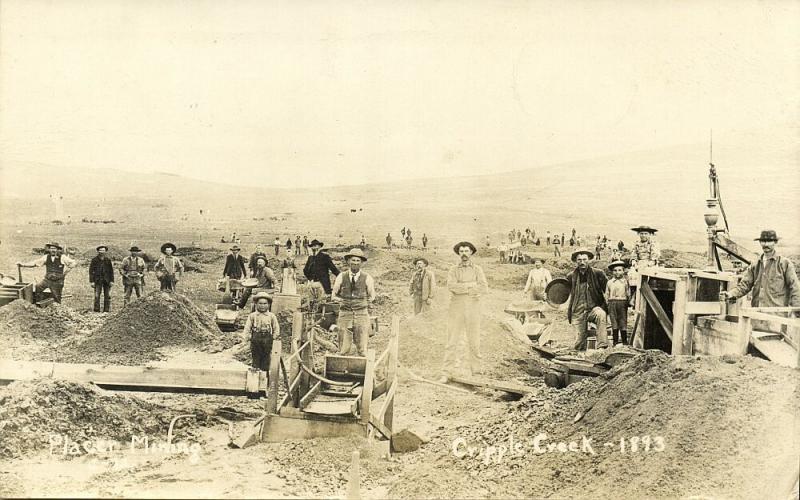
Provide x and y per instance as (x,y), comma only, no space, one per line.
(417,304)
(57,287)
(361,329)
(258,352)
(245,296)
(128,289)
(624,335)
(106,297)
(455,331)
(98,288)
(473,324)
(345,334)
(598,317)
(580,323)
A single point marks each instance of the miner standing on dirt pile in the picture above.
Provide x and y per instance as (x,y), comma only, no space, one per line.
(354,289)
(467,284)
(262,326)
(132,271)
(234,264)
(101,276)
(56,265)
(772,279)
(318,265)
(537,281)
(423,284)
(618,295)
(169,269)
(264,275)
(587,302)
(646,249)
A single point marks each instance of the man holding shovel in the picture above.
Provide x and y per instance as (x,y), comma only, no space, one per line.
(56,265)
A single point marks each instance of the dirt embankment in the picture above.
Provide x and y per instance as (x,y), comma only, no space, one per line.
(133,335)
(52,415)
(724,427)
(52,323)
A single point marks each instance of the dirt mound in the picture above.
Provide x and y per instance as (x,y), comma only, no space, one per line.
(41,415)
(54,322)
(673,258)
(201,255)
(133,335)
(703,417)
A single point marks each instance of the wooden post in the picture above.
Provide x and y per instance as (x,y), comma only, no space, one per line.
(274,377)
(297,341)
(306,357)
(688,324)
(679,318)
(369,380)
(354,481)
(394,350)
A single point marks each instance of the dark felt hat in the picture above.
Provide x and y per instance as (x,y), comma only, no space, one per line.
(356,252)
(615,264)
(104,247)
(168,245)
(644,229)
(465,244)
(235,247)
(53,244)
(580,251)
(134,248)
(768,235)
(423,259)
(316,243)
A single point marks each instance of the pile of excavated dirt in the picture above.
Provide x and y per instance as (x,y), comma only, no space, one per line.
(201,255)
(41,416)
(720,427)
(673,258)
(55,322)
(133,335)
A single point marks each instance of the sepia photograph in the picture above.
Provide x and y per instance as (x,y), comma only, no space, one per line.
(422,249)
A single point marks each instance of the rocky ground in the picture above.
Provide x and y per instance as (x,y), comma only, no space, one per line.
(701,426)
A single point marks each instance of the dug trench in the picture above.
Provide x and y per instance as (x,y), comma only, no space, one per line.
(700,426)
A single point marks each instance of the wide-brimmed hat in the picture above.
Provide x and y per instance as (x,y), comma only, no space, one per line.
(465,244)
(54,245)
(580,251)
(423,259)
(316,243)
(262,295)
(644,229)
(356,252)
(168,245)
(235,247)
(103,247)
(134,248)
(615,264)
(768,235)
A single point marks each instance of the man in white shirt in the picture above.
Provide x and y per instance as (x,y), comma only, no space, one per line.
(354,290)
(56,265)
(538,279)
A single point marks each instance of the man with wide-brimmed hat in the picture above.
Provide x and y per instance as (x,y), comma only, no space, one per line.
(101,277)
(234,264)
(318,265)
(354,290)
(467,284)
(772,278)
(587,301)
(262,327)
(646,250)
(264,275)
(423,284)
(169,268)
(56,265)
(132,270)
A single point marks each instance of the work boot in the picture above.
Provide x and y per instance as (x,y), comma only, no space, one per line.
(624,337)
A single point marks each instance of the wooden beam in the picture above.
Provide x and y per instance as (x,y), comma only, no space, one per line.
(721,276)
(731,247)
(679,318)
(771,318)
(274,365)
(369,380)
(139,378)
(655,305)
(310,395)
(492,384)
(786,309)
(277,428)
(389,400)
(705,308)
(380,427)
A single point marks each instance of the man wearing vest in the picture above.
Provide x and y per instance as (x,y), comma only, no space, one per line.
(132,271)
(422,285)
(467,284)
(262,327)
(56,266)
(772,279)
(101,276)
(587,302)
(354,290)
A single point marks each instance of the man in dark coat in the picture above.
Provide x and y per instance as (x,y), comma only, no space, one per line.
(318,265)
(234,264)
(587,302)
(101,276)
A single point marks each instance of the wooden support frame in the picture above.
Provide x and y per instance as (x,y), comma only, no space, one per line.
(655,306)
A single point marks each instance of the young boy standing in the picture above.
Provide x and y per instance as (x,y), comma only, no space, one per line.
(617,297)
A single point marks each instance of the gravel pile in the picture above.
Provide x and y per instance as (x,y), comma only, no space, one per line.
(54,322)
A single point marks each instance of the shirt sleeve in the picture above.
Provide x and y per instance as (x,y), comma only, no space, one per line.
(792,284)
(38,262)
(746,283)
(528,282)
(370,287)
(68,261)
(452,282)
(483,285)
(276,327)
(547,277)
(332,267)
(433,283)
(337,284)
(248,325)
(656,252)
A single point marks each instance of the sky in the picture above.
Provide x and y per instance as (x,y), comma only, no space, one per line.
(316,93)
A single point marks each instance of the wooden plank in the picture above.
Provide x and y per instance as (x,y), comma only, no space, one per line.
(721,276)
(380,427)
(136,378)
(658,273)
(771,318)
(310,395)
(272,392)
(582,366)
(389,400)
(679,318)
(772,309)
(775,348)
(705,308)
(655,306)
(492,384)
(277,428)
(369,379)
(731,247)
(394,349)
(715,337)
(692,285)
(342,406)
(306,358)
